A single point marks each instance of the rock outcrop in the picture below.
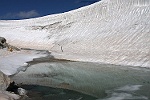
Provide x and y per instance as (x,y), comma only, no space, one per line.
(4,82)
(4,44)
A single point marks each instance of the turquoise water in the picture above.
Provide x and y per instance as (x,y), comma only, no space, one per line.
(36,92)
(100,81)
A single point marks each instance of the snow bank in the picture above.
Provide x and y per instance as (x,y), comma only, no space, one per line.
(13,62)
(109,31)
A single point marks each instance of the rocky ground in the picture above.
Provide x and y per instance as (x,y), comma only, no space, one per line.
(4,83)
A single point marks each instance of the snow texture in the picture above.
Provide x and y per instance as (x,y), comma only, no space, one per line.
(13,62)
(109,31)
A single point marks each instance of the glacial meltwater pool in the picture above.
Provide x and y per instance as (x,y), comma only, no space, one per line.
(97,81)
(36,92)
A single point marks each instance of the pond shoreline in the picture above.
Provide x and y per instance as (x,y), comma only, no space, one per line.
(89,78)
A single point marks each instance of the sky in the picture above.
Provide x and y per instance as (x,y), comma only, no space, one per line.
(24,9)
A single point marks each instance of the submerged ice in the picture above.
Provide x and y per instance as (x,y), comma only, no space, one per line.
(89,78)
(125,93)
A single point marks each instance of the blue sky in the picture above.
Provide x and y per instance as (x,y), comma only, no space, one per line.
(22,9)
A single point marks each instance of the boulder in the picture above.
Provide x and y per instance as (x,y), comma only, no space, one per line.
(3,43)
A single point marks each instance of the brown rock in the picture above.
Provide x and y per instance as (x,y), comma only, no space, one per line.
(4,81)
(5,95)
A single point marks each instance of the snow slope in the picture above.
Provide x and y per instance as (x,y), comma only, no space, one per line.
(109,31)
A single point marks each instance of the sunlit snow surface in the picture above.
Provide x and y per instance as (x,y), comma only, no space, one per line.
(13,62)
(109,31)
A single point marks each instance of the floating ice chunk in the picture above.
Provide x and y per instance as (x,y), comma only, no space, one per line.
(125,93)
(130,88)
(124,96)
(22,91)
